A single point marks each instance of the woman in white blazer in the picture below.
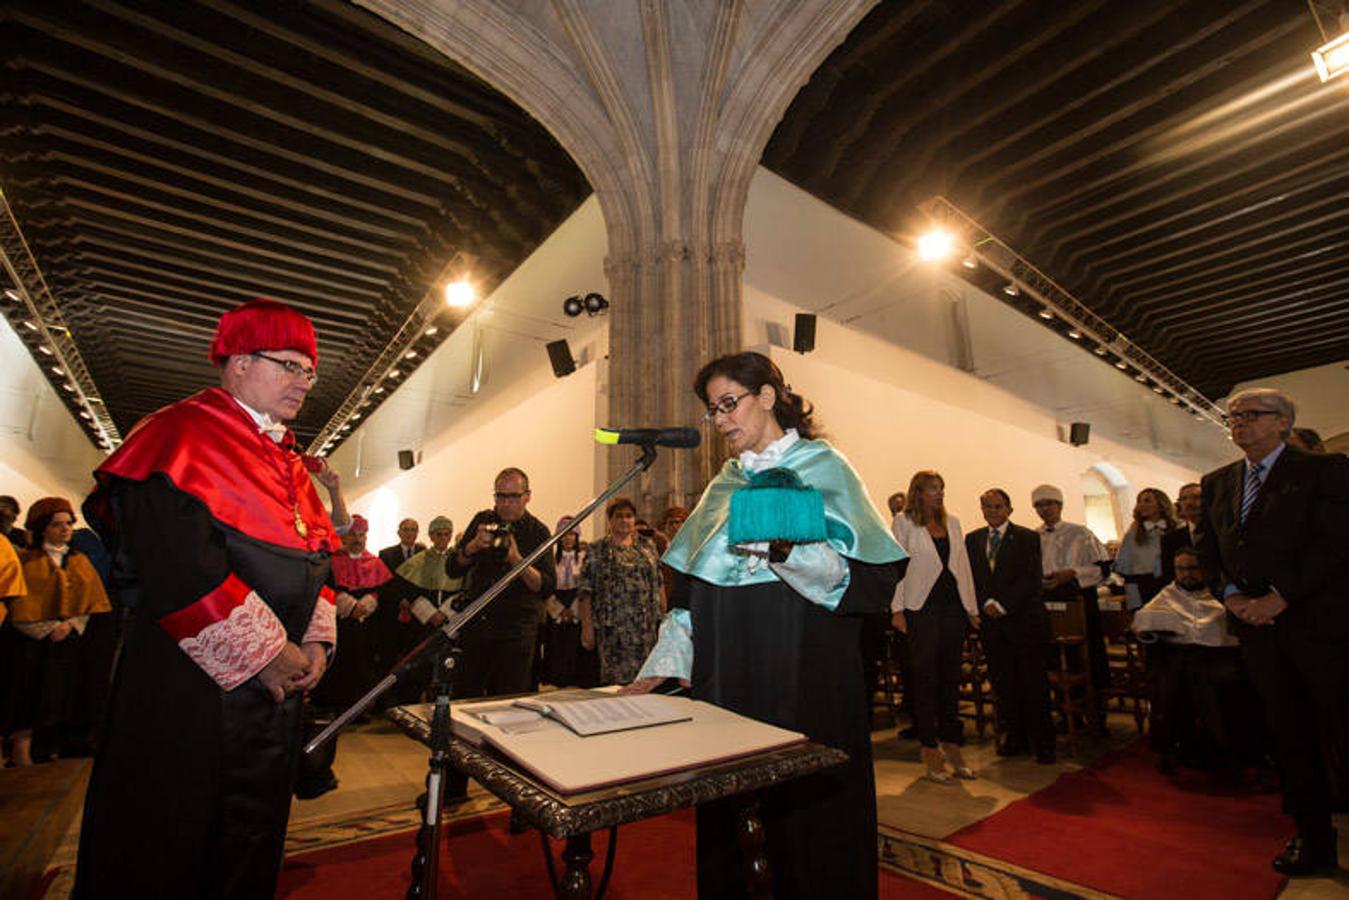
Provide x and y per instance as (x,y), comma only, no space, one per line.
(934,604)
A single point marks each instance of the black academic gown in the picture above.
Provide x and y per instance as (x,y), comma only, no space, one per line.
(766,652)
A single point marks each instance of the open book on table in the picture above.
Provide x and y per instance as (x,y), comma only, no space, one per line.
(628,748)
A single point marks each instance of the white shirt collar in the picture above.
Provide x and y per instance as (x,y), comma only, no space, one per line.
(1268,462)
(1001,529)
(56,553)
(771,455)
(273,428)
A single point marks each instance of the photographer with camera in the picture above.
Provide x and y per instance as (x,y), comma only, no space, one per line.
(499,645)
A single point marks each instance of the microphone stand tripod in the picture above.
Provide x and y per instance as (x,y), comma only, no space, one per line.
(442,650)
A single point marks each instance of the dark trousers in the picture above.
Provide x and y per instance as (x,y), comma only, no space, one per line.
(937,639)
(1200,705)
(1016,668)
(1302,676)
(493,663)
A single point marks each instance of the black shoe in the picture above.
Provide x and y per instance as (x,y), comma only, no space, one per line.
(1305,855)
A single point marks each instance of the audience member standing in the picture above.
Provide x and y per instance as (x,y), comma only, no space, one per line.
(1139,561)
(43,694)
(1274,542)
(357,575)
(1005,561)
(934,605)
(9,514)
(1188,508)
(425,591)
(565,661)
(619,596)
(1071,558)
(407,547)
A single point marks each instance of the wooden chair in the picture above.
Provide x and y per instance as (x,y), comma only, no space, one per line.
(1070,683)
(1129,685)
(976,693)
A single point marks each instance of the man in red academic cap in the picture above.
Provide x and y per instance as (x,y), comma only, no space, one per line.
(210,509)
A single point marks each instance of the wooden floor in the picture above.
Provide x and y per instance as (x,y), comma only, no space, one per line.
(381,772)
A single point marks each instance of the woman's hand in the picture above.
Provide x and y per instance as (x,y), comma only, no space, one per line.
(588,636)
(647,685)
(974,621)
(899,622)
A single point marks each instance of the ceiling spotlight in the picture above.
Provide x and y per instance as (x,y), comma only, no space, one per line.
(1044,313)
(1175,400)
(379,389)
(1100,351)
(460,294)
(353,417)
(430,331)
(56,370)
(47,350)
(394,373)
(595,304)
(94,399)
(1011,289)
(69,387)
(13,295)
(84,414)
(1157,389)
(1141,378)
(1075,334)
(936,244)
(1332,59)
(411,354)
(30,324)
(970,262)
(1122,366)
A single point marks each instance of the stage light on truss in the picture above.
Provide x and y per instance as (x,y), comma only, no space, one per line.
(460,294)
(1046,313)
(1075,334)
(1122,366)
(1158,389)
(1100,351)
(970,262)
(30,324)
(936,245)
(1141,378)
(430,331)
(47,350)
(1332,59)
(13,295)
(1011,289)
(411,354)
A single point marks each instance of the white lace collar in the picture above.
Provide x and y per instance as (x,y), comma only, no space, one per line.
(771,455)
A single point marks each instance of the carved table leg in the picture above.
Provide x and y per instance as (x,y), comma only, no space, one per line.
(749,834)
(575,884)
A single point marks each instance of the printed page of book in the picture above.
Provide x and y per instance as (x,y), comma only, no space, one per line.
(599,712)
(570,763)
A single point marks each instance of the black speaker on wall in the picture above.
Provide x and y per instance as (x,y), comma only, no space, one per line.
(406,460)
(559,354)
(1079,434)
(803,336)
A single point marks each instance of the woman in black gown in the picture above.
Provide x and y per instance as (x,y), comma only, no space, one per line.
(772,632)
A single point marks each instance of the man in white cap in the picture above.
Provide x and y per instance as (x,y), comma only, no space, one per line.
(1070,555)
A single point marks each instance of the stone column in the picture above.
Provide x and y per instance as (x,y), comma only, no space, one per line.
(666,106)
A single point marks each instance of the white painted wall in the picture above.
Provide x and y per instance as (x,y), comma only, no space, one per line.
(43,452)
(521,416)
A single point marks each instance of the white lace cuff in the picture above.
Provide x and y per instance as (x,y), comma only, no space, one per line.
(672,657)
(816,572)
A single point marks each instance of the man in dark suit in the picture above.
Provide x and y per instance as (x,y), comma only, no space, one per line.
(1189,504)
(1005,559)
(1274,543)
(407,546)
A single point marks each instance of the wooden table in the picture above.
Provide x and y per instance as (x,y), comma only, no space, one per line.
(574,817)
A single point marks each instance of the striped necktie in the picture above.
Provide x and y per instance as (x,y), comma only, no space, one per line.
(1252,489)
(994,540)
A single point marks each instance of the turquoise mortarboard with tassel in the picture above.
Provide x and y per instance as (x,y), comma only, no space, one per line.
(776,505)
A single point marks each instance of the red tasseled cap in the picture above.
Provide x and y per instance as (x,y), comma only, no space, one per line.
(263,324)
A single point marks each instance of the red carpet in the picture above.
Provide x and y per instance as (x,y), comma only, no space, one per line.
(1122,828)
(480,858)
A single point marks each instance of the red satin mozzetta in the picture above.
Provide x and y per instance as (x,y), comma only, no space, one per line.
(208,446)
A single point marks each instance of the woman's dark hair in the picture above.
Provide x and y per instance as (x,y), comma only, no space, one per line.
(756,371)
(559,548)
(619,503)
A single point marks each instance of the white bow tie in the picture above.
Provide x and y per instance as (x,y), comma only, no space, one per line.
(273,429)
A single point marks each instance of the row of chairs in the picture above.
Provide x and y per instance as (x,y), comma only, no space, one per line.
(1073,694)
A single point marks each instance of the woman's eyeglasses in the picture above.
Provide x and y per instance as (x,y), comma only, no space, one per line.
(726,405)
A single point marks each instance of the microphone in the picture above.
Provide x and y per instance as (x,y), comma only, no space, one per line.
(651,437)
